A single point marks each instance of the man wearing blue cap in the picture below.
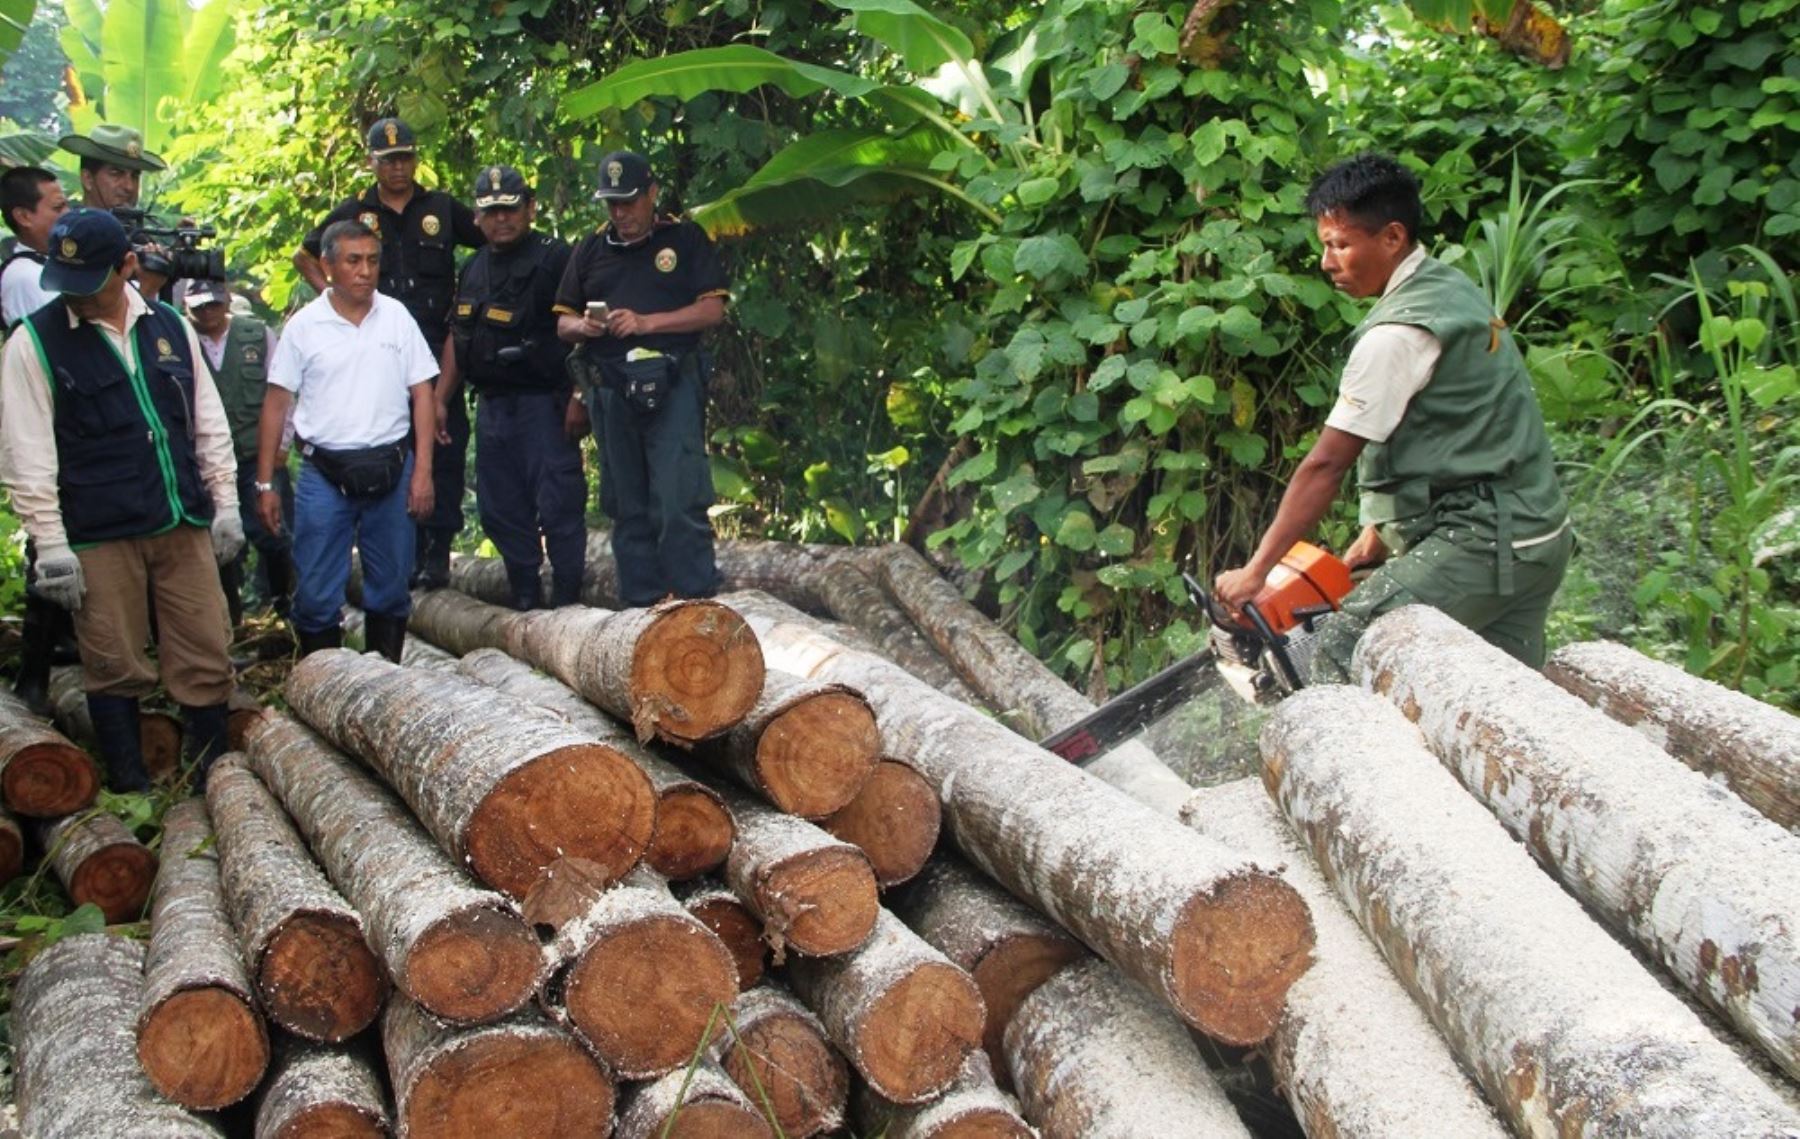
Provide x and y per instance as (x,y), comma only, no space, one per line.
(138,490)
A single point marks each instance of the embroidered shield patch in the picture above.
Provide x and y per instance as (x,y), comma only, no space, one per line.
(665,260)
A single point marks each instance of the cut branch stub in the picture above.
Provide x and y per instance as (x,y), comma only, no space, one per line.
(461,951)
(42,774)
(319,1092)
(806,747)
(302,942)
(200,1037)
(894,819)
(776,1051)
(97,860)
(504,786)
(732,922)
(701,1104)
(811,892)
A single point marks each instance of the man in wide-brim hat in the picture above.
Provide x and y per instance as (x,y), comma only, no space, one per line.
(113,162)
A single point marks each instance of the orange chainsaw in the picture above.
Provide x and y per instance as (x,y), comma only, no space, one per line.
(1264,656)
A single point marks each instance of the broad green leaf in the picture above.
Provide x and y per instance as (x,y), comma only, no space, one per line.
(1018,490)
(211,34)
(730,482)
(15,17)
(1044,254)
(140,53)
(1012,563)
(975,469)
(688,74)
(1037,191)
(1116,540)
(844,518)
(26,148)
(1769,386)
(1077,531)
(924,42)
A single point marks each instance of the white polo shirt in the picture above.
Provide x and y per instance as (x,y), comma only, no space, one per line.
(351,381)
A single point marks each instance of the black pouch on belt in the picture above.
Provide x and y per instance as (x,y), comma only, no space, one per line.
(646,383)
(360,472)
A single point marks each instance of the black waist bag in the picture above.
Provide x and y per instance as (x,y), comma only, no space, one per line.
(361,472)
(645,383)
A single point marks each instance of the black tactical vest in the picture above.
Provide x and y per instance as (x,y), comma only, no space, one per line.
(504,329)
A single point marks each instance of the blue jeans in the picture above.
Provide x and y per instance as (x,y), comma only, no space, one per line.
(326,524)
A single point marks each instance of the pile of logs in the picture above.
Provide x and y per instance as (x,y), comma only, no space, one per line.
(760,866)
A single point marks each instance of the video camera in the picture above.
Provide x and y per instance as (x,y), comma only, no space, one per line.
(179,254)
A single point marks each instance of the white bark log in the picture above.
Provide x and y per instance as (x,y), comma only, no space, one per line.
(703,1104)
(320,1092)
(973,1106)
(777,1053)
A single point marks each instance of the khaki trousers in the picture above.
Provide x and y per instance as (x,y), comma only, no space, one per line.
(193,632)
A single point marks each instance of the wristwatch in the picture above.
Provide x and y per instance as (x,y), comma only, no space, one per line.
(264,487)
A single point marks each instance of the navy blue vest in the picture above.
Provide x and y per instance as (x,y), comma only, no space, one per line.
(124,440)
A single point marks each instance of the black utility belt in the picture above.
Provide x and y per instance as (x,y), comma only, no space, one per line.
(361,472)
(644,379)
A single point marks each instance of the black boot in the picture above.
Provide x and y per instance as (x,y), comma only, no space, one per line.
(564,590)
(431,563)
(116,731)
(205,739)
(385,635)
(332,638)
(280,571)
(527,587)
(39,633)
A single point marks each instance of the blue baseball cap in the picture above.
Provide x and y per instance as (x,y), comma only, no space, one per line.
(85,246)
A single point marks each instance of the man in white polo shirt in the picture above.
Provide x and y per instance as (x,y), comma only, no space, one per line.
(356,373)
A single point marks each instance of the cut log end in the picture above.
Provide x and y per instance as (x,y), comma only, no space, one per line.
(715,1120)
(203,1048)
(585,801)
(895,819)
(159,740)
(644,995)
(1009,973)
(693,833)
(117,878)
(474,967)
(822,904)
(742,934)
(1237,952)
(330,1121)
(814,756)
(912,1042)
(696,671)
(318,979)
(498,1084)
(805,1080)
(48,780)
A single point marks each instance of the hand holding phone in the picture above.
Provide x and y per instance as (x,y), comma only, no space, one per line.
(597,311)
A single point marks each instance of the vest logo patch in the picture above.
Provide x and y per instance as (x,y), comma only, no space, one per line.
(665,260)
(373,222)
(252,355)
(431,225)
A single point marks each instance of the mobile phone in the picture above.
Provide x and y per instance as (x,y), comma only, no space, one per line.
(596,310)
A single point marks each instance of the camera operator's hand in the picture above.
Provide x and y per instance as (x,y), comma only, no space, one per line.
(58,578)
(227,536)
(149,282)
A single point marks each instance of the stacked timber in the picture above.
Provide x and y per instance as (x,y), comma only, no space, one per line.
(894,819)
(42,774)
(99,862)
(159,733)
(699,1104)
(319,1092)
(806,747)
(732,922)
(415,651)
(776,1051)
(1752,746)
(853,595)
(1559,1024)
(1704,883)
(973,1106)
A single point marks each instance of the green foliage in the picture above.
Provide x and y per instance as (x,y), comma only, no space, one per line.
(15,20)
(31,76)
(134,55)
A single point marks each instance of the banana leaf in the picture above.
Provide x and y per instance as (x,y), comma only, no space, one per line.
(140,50)
(15,17)
(923,41)
(26,148)
(737,68)
(211,34)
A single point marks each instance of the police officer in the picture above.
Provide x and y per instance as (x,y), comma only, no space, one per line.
(529,486)
(637,295)
(419,231)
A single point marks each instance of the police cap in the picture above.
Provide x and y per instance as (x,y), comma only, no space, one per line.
(391,136)
(500,186)
(623,175)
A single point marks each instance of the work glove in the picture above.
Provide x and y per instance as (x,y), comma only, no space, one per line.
(58,578)
(227,535)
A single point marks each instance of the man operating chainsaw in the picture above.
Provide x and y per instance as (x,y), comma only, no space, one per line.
(1460,504)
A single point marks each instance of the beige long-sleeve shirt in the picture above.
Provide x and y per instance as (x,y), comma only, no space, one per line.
(28,460)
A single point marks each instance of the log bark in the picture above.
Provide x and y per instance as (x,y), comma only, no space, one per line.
(320,1092)
(302,942)
(42,774)
(973,1107)
(898,1010)
(12,847)
(693,832)
(641,980)
(1349,1027)
(701,1104)
(242,710)
(75,1055)
(504,787)
(786,569)
(97,860)
(1005,945)
(200,1037)
(851,594)
(1218,938)
(731,921)
(523,1076)
(457,623)
(807,747)
(811,892)
(776,1052)
(1563,1029)
(159,733)
(1095,1057)
(1754,747)
(461,951)
(1031,697)
(895,819)
(1707,885)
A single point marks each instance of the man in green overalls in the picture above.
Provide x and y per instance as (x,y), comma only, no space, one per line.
(1461,507)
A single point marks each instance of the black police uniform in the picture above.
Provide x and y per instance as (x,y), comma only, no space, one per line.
(529,487)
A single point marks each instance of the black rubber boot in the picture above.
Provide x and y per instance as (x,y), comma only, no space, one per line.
(279,568)
(39,634)
(431,565)
(205,739)
(564,591)
(116,730)
(385,635)
(332,638)
(527,586)
(231,580)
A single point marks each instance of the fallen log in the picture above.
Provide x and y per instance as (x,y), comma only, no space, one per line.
(732,922)
(1559,1024)
(302,942)
(851,594)
(1218,938)
(1754,747)
(1703,882)
(1003,944)
(640,978)
(699,1104)
(456,623)
(42,774)
(505,788)
(159,734)
(810,891)
(1095,1057)
(1349,1025)
(806,747)
(693,832)
(522,1076)
(776,1051)
(78,1075)
(894,819)
(200,1037)
(461,951)
(971,1108)
(898,1010)
(787,570)
(12,847)
(97,860)
(319,1092)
